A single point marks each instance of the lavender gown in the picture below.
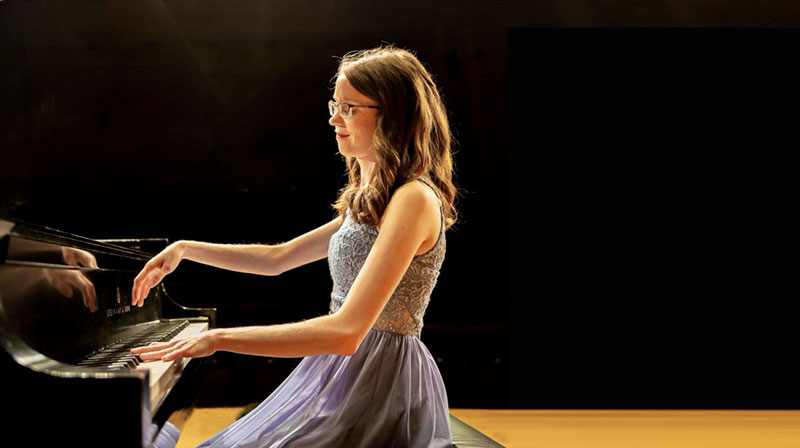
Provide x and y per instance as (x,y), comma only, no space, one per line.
(389,393)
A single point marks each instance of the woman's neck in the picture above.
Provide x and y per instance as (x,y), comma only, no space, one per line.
(367,168)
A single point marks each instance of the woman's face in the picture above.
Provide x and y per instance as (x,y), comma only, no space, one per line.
(354,134)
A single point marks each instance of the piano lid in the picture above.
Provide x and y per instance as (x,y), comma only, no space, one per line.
(28,242)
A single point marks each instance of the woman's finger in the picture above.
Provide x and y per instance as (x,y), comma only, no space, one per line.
(142,289)
(176,351)
(155,355)
(137,284)
(175,354)
(190,348)
(148,282)
(137,292)
(141,281)
(153,346)
(153,351)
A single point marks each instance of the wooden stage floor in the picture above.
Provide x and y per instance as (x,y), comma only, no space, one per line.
(591,428)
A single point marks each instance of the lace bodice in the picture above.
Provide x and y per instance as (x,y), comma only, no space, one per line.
(347,252)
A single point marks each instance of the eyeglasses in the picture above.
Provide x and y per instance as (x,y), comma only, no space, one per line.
(345,109)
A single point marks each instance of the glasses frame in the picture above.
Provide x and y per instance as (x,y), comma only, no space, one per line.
(333,106)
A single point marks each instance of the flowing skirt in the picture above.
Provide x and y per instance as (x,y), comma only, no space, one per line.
(388,394)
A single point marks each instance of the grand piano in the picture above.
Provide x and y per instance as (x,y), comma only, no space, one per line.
(66,329)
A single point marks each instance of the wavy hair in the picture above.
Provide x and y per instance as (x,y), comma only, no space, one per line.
(412,135)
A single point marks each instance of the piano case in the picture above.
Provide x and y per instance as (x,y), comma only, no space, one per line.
(66,329)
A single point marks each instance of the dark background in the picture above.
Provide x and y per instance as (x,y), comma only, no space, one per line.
(619,167)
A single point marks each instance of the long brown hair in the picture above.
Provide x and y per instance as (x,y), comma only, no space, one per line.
(412,134)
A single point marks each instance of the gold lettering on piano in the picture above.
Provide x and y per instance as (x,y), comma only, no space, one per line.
(118,310)
(122,309)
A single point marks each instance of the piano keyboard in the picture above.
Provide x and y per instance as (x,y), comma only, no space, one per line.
(117,356)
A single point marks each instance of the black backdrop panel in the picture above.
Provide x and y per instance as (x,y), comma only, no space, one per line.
(644,269)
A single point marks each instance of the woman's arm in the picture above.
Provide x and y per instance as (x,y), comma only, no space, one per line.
(264,259)
(248,258)
(406,224)
(324,334)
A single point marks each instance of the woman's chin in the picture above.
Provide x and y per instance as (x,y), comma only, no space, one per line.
(346,150)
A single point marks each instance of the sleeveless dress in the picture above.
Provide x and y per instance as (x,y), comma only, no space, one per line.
(389,393)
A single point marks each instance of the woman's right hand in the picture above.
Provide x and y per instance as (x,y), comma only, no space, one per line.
(155,270)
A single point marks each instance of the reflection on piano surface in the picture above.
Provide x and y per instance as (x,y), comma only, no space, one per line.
(67,327)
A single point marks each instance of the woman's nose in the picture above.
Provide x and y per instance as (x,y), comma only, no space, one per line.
(336,119)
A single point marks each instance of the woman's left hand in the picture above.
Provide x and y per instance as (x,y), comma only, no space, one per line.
(191,347)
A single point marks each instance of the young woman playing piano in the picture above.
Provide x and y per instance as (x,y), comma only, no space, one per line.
(366,379)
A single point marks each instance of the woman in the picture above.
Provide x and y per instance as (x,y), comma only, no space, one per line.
(366,379)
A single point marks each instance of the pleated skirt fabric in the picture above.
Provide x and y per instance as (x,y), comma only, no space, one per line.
(388,394)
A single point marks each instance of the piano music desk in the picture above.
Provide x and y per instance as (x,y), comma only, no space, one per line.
(524,428)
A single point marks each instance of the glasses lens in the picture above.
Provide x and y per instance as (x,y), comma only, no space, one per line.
(344,109)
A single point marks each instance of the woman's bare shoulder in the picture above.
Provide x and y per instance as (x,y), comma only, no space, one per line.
(415,199)
(417,190)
